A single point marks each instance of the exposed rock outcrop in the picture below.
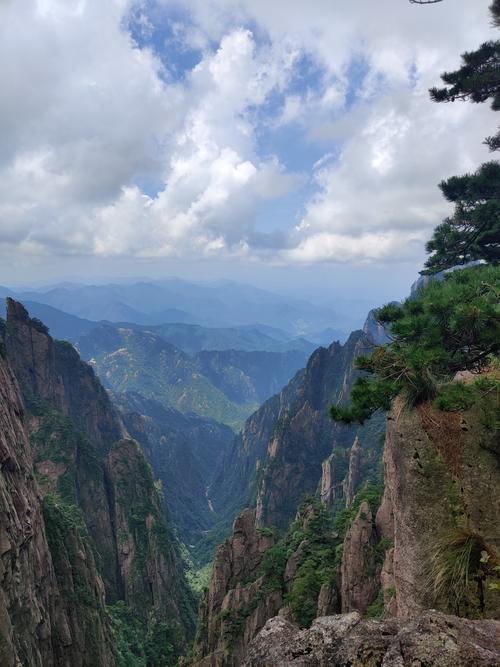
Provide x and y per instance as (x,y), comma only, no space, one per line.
(232,612)
(442,479)
(291,442)
(303,436)
(351,480)
(148,561)
(328,488)
(95,495)
(43,619)
(359,570)
(52,371)
(328,600)
(432,639)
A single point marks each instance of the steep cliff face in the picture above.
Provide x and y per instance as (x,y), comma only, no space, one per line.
(258,574)
(231,612)
(87,475)
(360,570)
(439,510)
(305,437)
(234,486)
(184,451)
(45,562)
(149,564)
(441,501)
(72,425)
(52,371)
(288,450)
(281,453)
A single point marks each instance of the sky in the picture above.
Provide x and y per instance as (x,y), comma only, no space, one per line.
(287,144)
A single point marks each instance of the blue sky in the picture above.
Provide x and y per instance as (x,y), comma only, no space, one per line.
(293,142)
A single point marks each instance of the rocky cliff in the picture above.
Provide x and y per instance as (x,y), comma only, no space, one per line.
(290,446)
(431,541)
(288,450)
(442,503)
(101,510)
(184,451)
(232,612)
(51,595)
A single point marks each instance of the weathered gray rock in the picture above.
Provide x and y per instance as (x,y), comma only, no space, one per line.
(351,480)
(232,611)
(441,476)
(328,601)
(359,570)
(327,485)
(430,640)
(43,622)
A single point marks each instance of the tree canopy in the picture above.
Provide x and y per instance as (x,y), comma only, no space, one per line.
(451,325)
(473,231)
(478,78)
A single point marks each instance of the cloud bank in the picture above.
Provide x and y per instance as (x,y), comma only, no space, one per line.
(109,148)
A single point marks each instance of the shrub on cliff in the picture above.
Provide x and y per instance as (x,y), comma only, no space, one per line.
(451,325)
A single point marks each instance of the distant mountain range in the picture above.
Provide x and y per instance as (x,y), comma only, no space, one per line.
(224,304)
(191,338)
(223,385)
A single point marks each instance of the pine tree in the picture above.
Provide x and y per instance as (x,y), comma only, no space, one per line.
(478,79)
(473,231)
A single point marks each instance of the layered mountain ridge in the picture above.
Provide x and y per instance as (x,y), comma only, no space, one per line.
(81,514)
(329,531)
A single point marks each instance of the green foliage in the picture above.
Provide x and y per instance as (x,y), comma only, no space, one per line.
(454,397)
(62,519)
(473,231)
(451,325)
(224,614)
(67,538)
(128,636)
(478,78)
(161,641)
(314,532)
(303,596)
(376,609)
(458,396)
(56,439)
(484,392)
(273,566)
(199,578)
(461,563)
(136,645)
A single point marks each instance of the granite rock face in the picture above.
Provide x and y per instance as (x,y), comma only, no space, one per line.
(156,587)
(290,445)
(359,570)
(304,437)
(442,479)
(42,623)
(431,639)
(231,612)
(74,491)
(52,371)
(351,481)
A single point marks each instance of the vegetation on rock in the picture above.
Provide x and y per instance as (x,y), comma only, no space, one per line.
(451,325)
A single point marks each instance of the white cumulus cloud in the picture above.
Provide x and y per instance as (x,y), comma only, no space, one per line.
(103,152)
